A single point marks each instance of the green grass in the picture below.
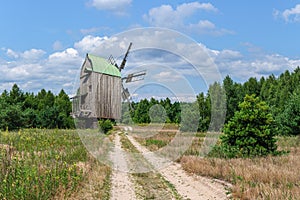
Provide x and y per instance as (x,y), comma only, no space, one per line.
(40,163)
(157,143)
(127,145)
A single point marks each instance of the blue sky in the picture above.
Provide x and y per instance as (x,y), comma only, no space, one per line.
(43,43)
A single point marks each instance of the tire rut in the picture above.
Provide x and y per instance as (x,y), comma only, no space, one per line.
(121,184)
(188,186)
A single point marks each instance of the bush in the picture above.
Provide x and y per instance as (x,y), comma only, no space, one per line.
(105,125)
(249,133)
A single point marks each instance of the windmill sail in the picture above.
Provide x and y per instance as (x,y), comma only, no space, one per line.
(125,58)
(125,94)
(137,76)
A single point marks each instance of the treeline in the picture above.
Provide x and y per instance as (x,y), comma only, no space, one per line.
(282,95)
(27,110)
(146,111)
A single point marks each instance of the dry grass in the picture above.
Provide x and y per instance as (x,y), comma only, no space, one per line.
(195,148)
(258,178)
(96,183)
(157,141)
(150,184)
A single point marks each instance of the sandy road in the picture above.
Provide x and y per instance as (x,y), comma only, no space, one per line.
(188,186)
(122,186)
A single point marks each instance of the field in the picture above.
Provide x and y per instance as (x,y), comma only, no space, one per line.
(45,164)
(53,164)
(272,177)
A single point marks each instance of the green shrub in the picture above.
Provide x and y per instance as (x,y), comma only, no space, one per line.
(249,133)
(105,125)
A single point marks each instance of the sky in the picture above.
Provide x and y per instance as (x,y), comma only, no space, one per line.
(183,45)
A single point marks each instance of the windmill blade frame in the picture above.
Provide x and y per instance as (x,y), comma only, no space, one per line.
(137,76)
(125,57)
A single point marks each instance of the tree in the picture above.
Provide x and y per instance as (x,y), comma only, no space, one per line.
(232,97)
(64,106)
(249,133)
(176,110)
(218,106)
(11,117)
(141,113)
(189,117)
(16,95)
(289,120)
(204,111)
(252,87)
(157,114)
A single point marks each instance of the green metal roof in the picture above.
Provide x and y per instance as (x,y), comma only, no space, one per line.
(101,65)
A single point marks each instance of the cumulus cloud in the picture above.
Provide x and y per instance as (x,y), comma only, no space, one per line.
(11,53)
(68,56)
(167,16)
(116,6)
(89,43)
(167,76)
(208,28)
(289,15)
(167,56)
(240,68)
(32,54)
(32,71)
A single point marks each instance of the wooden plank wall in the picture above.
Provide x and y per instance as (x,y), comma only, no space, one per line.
(106,96)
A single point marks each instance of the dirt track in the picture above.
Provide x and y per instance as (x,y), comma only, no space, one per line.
(187,186)
(122,187)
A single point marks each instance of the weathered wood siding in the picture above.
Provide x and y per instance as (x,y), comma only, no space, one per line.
(107,96)
(100,93)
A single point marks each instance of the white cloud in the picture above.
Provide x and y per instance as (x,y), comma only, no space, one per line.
(116,6)
(32,71)
(167,76)
(289,15)
(11,53)
(17,71)
(67,56)
(241,68)
(89,43)
(32,54)
(189,8)
(227,55)
(166,16)
(168,57)
(175,18)
(207,27)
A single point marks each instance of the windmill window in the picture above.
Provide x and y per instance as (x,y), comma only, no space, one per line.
(90,88)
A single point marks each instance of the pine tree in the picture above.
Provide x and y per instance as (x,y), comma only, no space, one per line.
(249,133)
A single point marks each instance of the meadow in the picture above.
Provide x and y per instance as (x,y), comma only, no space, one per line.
(54,164)
(269,177)
(44,164)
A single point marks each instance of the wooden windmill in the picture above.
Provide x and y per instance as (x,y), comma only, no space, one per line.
(101,88)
